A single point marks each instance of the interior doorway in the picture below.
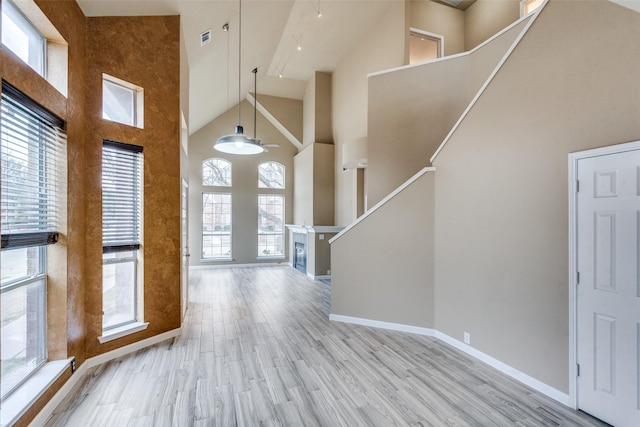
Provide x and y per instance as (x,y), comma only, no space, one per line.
(605,288)
(424,46)
(184,245)
(361,207)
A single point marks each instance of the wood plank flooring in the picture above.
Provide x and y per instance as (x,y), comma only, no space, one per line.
(258,349)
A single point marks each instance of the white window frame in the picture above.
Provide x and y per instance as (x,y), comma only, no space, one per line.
(37,42)
(34,139)
(261,183)
(132,245)
(23,283)
(439,38)
(137,100)
(205,164)
(262,254)
(213,233)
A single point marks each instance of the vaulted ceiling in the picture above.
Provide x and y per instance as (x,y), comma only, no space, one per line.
(272,30)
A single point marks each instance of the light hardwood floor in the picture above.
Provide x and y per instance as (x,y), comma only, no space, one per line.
(258,349)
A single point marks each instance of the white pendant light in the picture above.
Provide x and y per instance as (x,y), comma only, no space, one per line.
(238,143)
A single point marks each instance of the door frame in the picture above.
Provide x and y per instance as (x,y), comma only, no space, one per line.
(574,158)
(184,250)
(438,38)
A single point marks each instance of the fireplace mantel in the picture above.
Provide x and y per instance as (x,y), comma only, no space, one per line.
(305,229)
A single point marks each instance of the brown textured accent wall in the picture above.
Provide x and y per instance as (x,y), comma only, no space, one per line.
(146,52)
(67,17)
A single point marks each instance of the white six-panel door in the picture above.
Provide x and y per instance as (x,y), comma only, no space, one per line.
(608,293)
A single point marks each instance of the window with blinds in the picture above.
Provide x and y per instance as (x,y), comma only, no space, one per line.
(121,233)
(33,141)
(32,166)
(121,196)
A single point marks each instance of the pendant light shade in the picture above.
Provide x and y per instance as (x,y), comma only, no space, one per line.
(238,143)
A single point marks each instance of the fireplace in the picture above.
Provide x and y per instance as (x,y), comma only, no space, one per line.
(309,250)
(300,257)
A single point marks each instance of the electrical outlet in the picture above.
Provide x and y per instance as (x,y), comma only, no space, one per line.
(467,338)
(329,272)
(321,236)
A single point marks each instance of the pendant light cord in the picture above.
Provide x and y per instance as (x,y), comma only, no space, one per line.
(239,54)
(255,100)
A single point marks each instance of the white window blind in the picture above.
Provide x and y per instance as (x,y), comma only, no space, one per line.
(121,196)
(32,147)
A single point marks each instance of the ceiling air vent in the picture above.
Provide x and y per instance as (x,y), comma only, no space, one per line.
(205,38)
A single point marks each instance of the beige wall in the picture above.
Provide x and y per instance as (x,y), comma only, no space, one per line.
(484,18)
(244,188)
(381,48)
(440,19)
(412,110)
(323,126)
(501,194)
(287,111)
(384,47)
(314,185)
(382,269)
(322,261)
(303,190)
(323,184)
(500,252)
(309,112)
(317,125)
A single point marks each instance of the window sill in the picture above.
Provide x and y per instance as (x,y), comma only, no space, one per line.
(122,331)
(270,257)
(21,399)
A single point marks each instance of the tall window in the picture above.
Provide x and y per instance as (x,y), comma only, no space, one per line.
(216,172)
(216,226)
(121,232)
(33,141)
(271,175)
(271,210)
(22,38)
(270,225)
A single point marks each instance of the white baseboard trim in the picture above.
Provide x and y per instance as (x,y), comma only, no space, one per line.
(46,412)
(312,277)
(231,265)
(383,325)
(525,379)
